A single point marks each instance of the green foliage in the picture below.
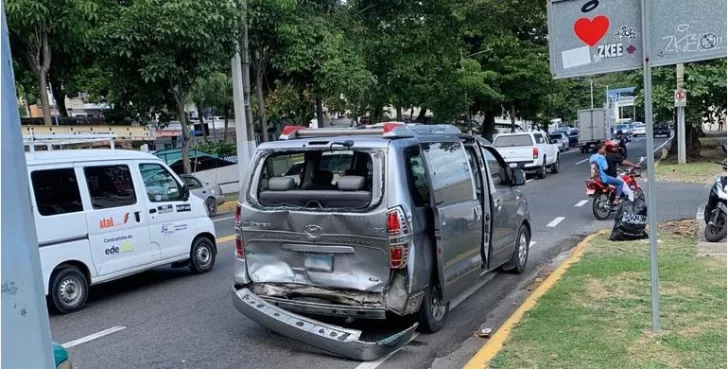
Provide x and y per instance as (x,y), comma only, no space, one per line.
(218,148)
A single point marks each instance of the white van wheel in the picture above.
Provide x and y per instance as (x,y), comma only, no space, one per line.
(68,290)
(202,255)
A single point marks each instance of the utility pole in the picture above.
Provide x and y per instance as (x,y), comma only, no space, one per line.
(241,125)
(591,88)
(681,154)
(26,332)
(246,83)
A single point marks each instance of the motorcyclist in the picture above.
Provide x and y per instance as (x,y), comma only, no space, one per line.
(599,165)
(615,158)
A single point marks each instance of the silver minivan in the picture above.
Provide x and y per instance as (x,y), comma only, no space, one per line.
(415,217)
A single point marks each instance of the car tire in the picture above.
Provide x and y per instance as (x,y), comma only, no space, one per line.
(542,171)
(211,205)
(556,165)
(519,259)
(433,313)
(202,255)
(68,290)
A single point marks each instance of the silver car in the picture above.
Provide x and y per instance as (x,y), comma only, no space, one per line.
(212,194)
(561,139)
(417,216)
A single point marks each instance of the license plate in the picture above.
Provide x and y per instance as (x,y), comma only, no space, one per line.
(589,192)
(319,262)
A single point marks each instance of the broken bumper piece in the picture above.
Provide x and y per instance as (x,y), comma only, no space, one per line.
(327,337)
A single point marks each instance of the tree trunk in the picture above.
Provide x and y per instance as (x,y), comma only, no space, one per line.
(513,118)
(259,74)
(202,121)
(60,98)
(320,112)
(44,100)
(412,113)
(180,96)
(488,125)
(225,127)
(692,142)
(422,115)
(27,105)
(399,113)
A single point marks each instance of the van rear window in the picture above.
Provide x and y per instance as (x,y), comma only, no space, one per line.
(317,179)
(513,140)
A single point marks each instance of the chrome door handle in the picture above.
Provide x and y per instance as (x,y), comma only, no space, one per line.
(476,212)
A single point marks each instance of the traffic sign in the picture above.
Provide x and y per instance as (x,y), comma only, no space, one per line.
(588,37)
(681,98)
(593,37)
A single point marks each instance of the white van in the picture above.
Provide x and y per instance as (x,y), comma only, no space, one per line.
(103,214)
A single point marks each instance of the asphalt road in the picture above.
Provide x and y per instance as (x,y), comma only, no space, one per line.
(168,318)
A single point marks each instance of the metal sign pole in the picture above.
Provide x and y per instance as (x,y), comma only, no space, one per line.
(651,190)
(26,332)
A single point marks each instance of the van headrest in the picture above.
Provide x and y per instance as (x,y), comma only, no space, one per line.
(281,184)
(351,183)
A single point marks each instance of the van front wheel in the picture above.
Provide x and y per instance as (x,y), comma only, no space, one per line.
(68,290)
(202,255)
(433,312)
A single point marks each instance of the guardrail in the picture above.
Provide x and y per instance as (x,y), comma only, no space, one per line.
(658,151)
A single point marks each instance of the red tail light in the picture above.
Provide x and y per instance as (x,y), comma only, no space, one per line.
(399,238)
(239,250)
(535,153)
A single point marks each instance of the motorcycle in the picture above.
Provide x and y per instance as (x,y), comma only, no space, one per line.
(603,195)
(715,210)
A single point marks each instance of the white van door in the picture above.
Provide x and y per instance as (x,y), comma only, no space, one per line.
(170,216)
(117,217)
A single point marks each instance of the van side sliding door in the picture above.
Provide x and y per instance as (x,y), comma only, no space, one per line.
(458,224)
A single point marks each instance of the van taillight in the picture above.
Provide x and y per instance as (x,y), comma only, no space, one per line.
(239,250)
(237,216)
(399,238)
(535,153)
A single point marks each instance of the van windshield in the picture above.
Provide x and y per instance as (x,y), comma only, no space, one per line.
(317,179)
(513,140)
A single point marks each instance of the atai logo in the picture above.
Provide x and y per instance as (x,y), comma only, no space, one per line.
(105,223)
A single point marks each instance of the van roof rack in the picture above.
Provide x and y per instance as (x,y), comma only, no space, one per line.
(386,130)
(49,141)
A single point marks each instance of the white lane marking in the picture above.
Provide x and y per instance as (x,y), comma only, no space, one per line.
(529,180)
(581,203)
(579,162)
(555,222)
(221,219)
(530,245)
(94,336)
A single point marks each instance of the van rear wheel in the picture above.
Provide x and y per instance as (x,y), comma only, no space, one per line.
(202,255)
(68,290)
(433,312)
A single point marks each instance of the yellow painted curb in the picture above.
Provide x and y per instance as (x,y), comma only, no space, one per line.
(226,238)
(495,344)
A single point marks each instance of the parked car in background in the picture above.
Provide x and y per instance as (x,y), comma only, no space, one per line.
(661,129)
(210,194)
(532,151)
(562,139)
(639,129)
(364,246)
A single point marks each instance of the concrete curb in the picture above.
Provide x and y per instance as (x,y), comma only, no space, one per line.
(491,348)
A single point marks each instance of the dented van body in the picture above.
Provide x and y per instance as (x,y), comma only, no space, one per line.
(408,219)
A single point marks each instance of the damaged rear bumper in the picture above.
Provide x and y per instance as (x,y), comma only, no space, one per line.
(327,337)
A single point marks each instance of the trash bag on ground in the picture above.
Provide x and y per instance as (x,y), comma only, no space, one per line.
(631,221)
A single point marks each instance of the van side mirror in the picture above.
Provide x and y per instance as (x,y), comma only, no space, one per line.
(518,177)
(185,192)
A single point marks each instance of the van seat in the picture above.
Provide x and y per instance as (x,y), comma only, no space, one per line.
(281,184)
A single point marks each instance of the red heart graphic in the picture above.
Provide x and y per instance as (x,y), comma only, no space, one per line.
(591,30)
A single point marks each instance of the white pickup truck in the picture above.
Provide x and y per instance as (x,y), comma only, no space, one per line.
(531,151)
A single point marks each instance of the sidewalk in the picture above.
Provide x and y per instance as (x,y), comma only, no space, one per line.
(598,314)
